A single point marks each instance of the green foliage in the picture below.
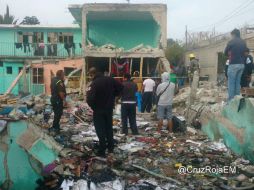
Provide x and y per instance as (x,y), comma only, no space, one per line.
(30,20)
(174,52)
(7,18)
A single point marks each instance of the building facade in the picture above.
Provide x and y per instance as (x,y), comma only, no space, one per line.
(21,44)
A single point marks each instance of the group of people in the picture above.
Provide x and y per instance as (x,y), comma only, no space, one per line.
(104,90)
(102,94)
(239,65)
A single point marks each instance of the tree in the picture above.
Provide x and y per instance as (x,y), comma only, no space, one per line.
(7,18)
(174,52)
(30,20)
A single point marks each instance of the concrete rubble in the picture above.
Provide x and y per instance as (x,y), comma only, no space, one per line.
(148,161)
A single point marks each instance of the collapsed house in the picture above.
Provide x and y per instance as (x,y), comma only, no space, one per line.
(132,37)
(120,38)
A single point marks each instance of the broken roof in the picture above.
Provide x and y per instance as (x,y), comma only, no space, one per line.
(116,11)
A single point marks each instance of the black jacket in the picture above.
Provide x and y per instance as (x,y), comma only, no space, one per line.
(248,66)
(56,86)
(129,91)
(235,51)
(102,92)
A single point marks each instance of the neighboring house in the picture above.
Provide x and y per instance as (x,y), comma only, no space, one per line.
(21,44)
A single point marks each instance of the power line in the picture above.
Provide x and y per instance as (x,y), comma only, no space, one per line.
(239,12)
(230,15)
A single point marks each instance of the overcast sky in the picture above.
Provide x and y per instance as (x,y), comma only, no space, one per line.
(199,15)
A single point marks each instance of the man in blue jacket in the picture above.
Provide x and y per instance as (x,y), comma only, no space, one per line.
(235,51)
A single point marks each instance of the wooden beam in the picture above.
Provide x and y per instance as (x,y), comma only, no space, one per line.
(110,66)
(141,66)
(25,81)
(72,73)
(82,90)
(16,80)
(131,66)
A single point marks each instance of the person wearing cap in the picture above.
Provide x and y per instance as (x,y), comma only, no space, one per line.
(235,52)
(247,72)
(58,95)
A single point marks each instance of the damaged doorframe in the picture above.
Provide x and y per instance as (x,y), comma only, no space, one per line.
(17,79)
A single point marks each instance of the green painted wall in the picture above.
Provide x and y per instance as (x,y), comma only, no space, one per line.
(43,152)
(21,173)
(8,37)
(7,79)
(123,33)
(243,122)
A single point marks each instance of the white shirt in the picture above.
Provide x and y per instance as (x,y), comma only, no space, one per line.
(149,85)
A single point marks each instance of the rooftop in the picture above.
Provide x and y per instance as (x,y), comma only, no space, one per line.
(70,26)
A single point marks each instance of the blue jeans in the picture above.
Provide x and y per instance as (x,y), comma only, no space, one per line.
(181,82)
(235,72)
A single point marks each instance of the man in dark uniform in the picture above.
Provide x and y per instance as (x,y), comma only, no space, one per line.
(101,98)
(247,72)
(58,94)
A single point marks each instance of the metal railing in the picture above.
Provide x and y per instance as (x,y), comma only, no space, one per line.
(59,50)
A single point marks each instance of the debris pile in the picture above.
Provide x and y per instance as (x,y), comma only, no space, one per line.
(186,160)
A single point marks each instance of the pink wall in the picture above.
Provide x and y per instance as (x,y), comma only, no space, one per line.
(54,67)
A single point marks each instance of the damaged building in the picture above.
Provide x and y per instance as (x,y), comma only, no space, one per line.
(22,45)
(127,36)
(114,38)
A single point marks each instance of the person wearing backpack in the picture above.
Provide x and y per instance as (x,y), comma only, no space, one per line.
(165,94)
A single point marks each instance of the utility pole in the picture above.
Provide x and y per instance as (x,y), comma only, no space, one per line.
(186,36)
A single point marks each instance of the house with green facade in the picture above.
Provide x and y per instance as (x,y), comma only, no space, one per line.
(21,44)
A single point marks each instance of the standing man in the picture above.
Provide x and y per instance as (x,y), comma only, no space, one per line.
(101,98)
(165,94)
(235,51)
(247,72)
(58,95)
(147,99)
(193,66)
(181,74)
(128,108)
